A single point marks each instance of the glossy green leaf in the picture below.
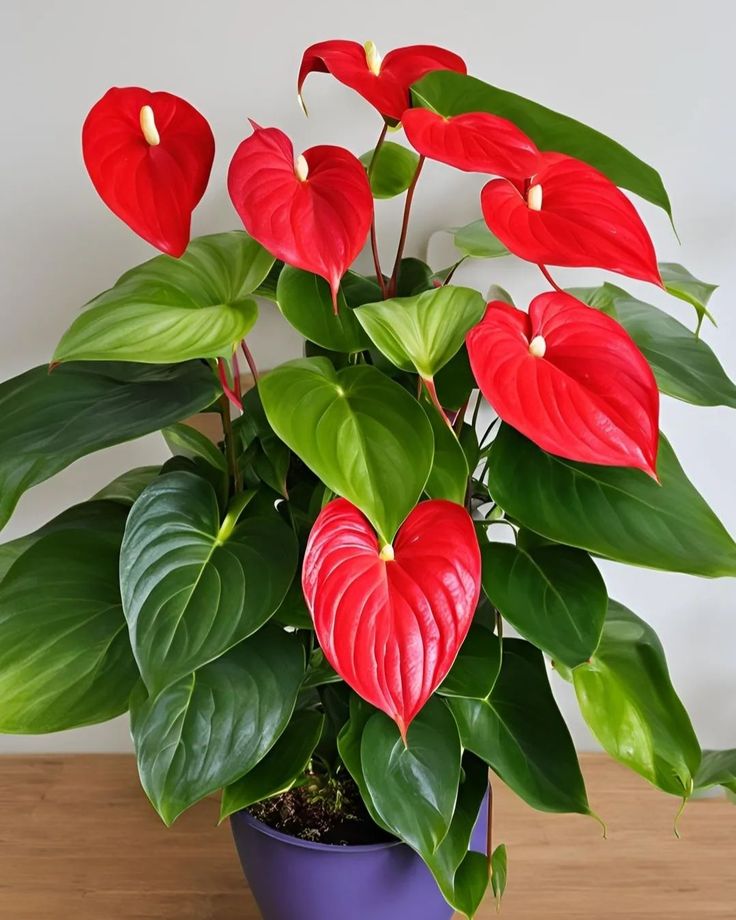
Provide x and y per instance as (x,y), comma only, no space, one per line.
(128,486)
(618,513)
(170,310)
(684,365)
(455,382)
(681,284)
(205,730)
(280,768)
(65,657)
(414,787)
(363,435)
(519,732)
(448,477)
(422,333)
(358,289)
(306,303)
(393,169)
(186,441)
(349,742)
(415,277)
(627,699)
(553,595)
(454,94)
(475,241)
(264,454)
(47,421)
(499,872)
(476,667)
(717,768)
(192,586)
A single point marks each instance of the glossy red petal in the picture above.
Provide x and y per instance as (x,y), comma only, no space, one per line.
(392,629)
(572,215)
(475,142)
(569,378)
(152,187)
(318,222)
(387,90)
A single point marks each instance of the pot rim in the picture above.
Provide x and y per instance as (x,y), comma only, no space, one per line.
(245,816)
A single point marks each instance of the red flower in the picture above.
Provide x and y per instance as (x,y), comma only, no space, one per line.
(313,211)
(384,83)
(149,156)
(475,142)
(570,214)
(391,622)
(570,379)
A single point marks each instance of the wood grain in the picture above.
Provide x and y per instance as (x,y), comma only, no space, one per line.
(79,841)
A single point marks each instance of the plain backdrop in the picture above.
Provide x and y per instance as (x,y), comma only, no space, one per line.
(658,76)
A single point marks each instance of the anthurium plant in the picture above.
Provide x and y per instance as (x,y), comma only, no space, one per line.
(324,591)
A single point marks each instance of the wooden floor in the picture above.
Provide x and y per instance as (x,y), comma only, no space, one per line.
(78,841)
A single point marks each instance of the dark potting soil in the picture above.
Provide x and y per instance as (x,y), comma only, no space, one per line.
(330,813)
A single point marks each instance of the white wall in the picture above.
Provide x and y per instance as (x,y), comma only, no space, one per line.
(658,76)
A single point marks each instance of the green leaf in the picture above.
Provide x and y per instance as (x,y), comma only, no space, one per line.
(627,699)
(414,787)
(617,513)
(65,657)
(414,277)
(553,595)
(425,331)
(128,486)
(305,301)
(684,365)
(455,382)
(280,768)
(171,310)
(476,667)
(475,241)
(357,289)
(455,94)
(207,729)
(192,587)
(186,441)
(499,872)
(519,732)
(393,169)
(362,434)
(47,421)
(269,458)
(349,744)
(681,284)
(448,477)
(717,768)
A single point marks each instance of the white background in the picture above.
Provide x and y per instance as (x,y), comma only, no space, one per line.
(657,76)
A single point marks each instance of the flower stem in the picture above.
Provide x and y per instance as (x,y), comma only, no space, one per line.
(230,452)
(549,278)
(374,238)
(251,361)
(404,229)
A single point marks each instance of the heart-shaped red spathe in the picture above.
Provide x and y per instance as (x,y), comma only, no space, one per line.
(570,379)
(383,82)
(314,213)
(570,214)
(149,156)
(392,628)
(475,142)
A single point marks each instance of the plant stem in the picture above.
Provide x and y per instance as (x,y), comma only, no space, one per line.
(404,229)
(432,391)
(230,452)
(374,239)
(489,829)
(549,278)
(251,361)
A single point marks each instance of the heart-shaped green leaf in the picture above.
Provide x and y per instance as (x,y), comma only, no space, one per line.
(679,282)
(476,667)
(65,657)
(717,768)
(454,94)
(413,787)
(392,171)
(306,302)
(49,420)
(170,310)
(627,699)
(684,365)
(421,333)
(192,586)
(280,768)
(475,241)
(618,513)
(519,732)
(448,477)
(205,730)
(553,595)
(363,435)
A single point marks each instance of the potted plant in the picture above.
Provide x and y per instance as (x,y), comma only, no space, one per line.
(308,615)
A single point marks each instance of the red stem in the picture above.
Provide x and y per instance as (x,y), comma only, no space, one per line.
(224,383)
(251,361)
(549,278)
(374,238)
(404,229)
(236,377)
(431,389)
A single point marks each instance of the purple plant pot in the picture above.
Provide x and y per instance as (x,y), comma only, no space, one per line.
(294,879)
